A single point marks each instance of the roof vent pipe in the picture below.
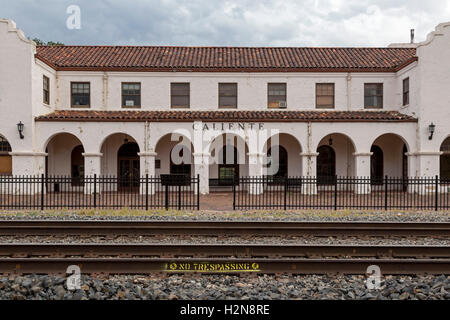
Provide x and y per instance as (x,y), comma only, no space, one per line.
(412,35)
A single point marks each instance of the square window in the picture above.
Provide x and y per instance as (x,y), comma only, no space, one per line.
(131,95)
(373,95)
(276,94)
(324,95)
(81,94)
(227,95)
(179,95)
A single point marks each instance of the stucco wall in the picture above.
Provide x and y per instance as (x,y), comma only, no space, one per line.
(21,100)
(252,89)
(16,61)
(433,83)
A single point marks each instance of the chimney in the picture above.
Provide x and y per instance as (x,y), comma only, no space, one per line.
(412,35)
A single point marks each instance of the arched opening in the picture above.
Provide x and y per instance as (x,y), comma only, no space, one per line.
(394,161)
(119,156)
(77,164)
(335,158)
(5,157)
(281,158)
(178,163)
(326,165)
(174,155)
(229,160)
(128,165)
(444,165)
(376,165)
(64,151)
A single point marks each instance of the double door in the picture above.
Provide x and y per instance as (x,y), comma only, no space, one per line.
(129,172)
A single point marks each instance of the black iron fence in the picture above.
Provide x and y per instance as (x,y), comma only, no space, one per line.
(108,192)
(182,192)
(267,192)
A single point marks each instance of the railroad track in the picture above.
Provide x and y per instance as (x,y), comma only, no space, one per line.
(230,228)
(295,259)
(93,250)
(285,265)
(122,258)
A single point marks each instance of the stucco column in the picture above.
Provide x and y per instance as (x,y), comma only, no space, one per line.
(28,164)
(309,165)
(428,164)
(147,167)
(362,170)
(413,170)
(92,166)
(201,168)
(255,170)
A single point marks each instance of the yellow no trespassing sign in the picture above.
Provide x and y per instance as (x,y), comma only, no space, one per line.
(211,267)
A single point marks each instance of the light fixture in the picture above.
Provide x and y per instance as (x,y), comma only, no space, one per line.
(431,129)
(20,129)
(330,142)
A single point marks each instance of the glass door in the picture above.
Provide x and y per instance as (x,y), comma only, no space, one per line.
(129,173)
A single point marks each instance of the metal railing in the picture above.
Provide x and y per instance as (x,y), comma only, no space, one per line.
(102,192)
(385,193)
(183,192)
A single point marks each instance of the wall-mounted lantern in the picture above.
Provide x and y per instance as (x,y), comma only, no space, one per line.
(20,129)
(330,142)
(431,129)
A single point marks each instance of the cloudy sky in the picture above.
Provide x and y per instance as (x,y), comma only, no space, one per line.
(229,22)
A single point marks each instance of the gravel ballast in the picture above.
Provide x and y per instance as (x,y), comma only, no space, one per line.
(221,286)
(43,287)
(311,240)
(260,215)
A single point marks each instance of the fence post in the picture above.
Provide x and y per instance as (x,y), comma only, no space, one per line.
(179,197)
(146,191)
(95,190)
(234,193)
(335,192)
(42,191)
(436,196)
(285,191)
(198,192)
(166,192)
(385,192)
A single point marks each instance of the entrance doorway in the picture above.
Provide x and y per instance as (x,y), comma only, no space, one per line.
(5,158)
(376,165)
(405,167)
(326,165)
(128,165)
(282,160)
(444,170)
(228,168)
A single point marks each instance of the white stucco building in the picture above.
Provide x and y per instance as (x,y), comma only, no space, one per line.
(112,110)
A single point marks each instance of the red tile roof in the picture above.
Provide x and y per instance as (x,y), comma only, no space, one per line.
(251,59)
(227,116)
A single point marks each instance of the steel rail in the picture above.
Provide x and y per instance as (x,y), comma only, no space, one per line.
(287,265)
(221,250)
(214,228)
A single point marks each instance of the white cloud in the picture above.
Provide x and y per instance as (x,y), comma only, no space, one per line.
(231,22)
